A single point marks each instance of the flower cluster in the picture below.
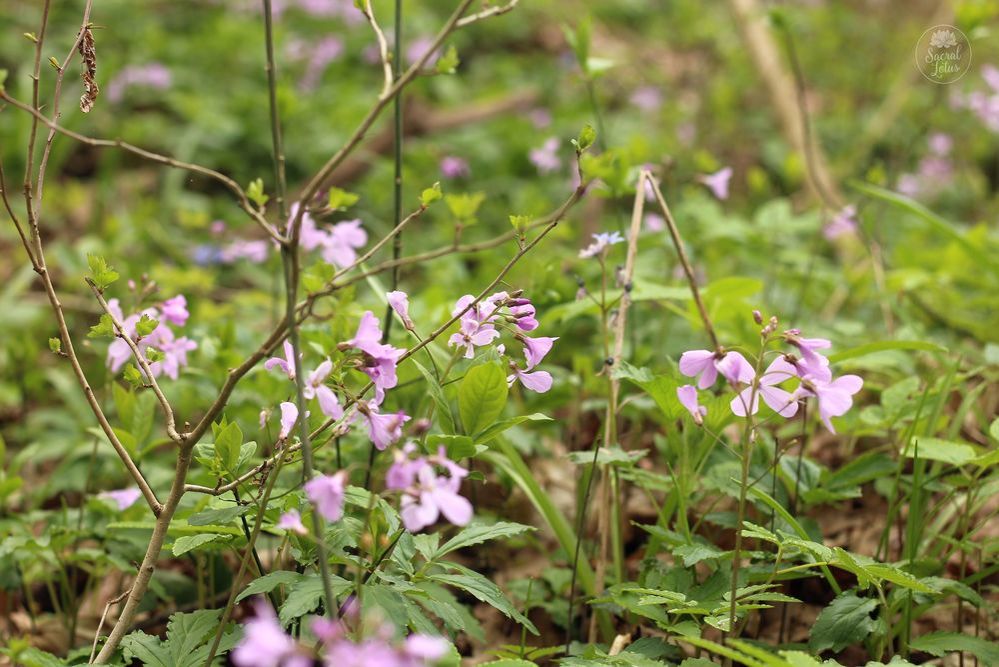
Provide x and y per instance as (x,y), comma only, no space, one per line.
(480,326)
(805,364)
(982,103)
(426,494)
(173,350)
(934,171)
(266,644)
(338,245)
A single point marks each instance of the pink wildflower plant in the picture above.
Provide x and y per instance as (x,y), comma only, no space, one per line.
(427,494)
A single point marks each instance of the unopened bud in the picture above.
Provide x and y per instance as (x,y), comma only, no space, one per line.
(757,317)
(421,426)
(367,542)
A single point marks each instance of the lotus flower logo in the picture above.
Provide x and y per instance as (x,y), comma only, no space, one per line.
(943,39)
(943,54)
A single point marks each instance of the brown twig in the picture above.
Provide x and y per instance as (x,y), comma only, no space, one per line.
(233,186)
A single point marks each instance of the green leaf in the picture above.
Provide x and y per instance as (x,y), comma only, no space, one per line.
(227,445)
(465,206)
(190,542)
(935,449)
(939,643)
(55,345)
(497,428)
(270,581)
(483,590)
(586,137)
(133,376)
(481,397)
(845,621)
(457,446)
(305,595)
(431,194)
(444,416)
(479,533)
(941,225)
(101,273)
(448,62)
(146,325)
(220,516)
(103,329)
(884,345)
(186,644)
(255,192)
(341,199)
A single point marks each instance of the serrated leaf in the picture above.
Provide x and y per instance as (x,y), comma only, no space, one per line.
(483,590)
(481,397)
(101,272)
(341,199)
(845,621)
(479,533)
(190,542)
(268,582)
(220,516)
(146,325)
(939,643)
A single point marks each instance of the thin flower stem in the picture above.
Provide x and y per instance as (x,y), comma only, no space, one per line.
(397,159)
(688,270)
(290,262)
(245,561)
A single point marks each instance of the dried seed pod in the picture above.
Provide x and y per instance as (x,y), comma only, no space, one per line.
(89,53)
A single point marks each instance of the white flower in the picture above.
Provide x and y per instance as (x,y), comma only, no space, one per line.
(943,39)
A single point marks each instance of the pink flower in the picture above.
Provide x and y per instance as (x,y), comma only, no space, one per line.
(379,360)
(688,399)
(540,117)
(384,429)
(289,415)
(123,498)
(254,251)
(174,354)
(780,401)
(314,388)
(292,520)
(546,158)
(535,349)
(310,236)
(425,647)
(811,362)
(843,223)
(325,52)
(732,365)
(835,397)
(454,167)
(718,182)
(427,495)
(265,644)
(151,75)
(539,381)
(400,304)
(287,365)
(327,492)
(600,243)
(647,98)
(175,310)
(523,311)
(654,222)
(471,335)
(344,238)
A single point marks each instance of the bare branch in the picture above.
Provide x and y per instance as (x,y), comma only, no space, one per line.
(382,47)
(488,13)
(233,186)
